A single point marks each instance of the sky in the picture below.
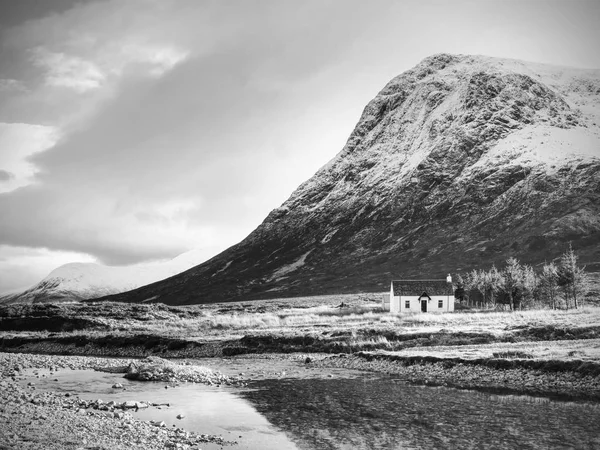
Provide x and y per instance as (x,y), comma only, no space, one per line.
(135,130)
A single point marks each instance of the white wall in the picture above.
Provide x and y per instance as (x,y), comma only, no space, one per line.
(398,304)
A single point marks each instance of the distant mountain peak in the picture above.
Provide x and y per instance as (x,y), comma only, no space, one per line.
(79,281)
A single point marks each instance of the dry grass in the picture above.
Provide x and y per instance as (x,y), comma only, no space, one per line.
(498,322)
(361,325)
(587,350)
(367,315)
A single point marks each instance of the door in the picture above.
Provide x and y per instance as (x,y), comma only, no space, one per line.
(423,305)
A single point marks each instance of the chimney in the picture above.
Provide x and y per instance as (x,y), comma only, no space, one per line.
(449,278)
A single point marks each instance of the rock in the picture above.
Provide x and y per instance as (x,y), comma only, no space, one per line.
(180,416)
(117,386)
(151,369)
(129,404)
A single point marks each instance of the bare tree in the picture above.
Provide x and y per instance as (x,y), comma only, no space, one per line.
(493,282)
(512,282)
(572,278)
(549,283)
(530,284)
(474,282)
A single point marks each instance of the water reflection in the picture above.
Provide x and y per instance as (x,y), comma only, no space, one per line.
(204,409)
(381,414)
(350,411)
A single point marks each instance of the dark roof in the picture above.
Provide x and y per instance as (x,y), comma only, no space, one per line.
(418,287)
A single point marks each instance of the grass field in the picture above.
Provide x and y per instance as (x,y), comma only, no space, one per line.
(319,324)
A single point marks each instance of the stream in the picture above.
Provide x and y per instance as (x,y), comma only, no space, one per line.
(288,406)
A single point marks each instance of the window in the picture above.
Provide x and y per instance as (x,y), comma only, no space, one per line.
(440,303)
(407,304)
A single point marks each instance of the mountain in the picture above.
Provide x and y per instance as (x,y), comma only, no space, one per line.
(458,163)
(79,281)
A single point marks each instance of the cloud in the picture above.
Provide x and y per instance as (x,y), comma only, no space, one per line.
(94,43)
(11,85)
(6,176)
(18,142)
(163,162)
(160,59)
(105,64)
(68,71)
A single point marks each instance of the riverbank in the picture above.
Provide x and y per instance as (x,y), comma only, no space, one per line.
(34,420)
(497,376)
(48,420)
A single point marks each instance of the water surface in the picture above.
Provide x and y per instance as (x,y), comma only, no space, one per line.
(299,408)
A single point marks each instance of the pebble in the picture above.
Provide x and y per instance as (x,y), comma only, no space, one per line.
(469,376)
(62,420)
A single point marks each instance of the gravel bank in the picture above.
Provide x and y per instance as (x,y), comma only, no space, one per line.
(565,384)
(32,420)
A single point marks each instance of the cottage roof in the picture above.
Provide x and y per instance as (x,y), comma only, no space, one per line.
(418,287)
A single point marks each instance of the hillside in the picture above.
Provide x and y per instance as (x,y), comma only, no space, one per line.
(457,163)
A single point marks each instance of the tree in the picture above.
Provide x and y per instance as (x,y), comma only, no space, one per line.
(549,283)
(473,283)
(512,282)
(492,282)
(571,278)
(530,284)
(459,292)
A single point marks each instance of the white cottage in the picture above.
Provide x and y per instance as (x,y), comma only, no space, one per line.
(421,296)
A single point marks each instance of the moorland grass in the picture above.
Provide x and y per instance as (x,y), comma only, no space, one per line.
(271,326)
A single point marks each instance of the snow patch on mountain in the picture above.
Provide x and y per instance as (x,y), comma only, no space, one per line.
(222,268)
(550,146)
(284,270)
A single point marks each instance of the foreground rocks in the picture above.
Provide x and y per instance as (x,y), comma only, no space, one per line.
(47,420)
(158,369)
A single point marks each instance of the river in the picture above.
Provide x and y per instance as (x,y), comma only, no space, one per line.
(286,405)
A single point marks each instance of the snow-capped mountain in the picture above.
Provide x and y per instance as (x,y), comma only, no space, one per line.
(78,281)
(458,163)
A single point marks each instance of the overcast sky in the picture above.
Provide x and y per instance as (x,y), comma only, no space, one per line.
(134,130)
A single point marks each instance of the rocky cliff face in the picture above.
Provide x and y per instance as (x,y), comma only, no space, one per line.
(460,162)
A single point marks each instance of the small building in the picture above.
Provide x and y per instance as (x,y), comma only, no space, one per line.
(421,296)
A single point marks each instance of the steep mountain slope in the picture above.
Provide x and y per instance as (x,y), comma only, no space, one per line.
(78,281)
(457,163)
